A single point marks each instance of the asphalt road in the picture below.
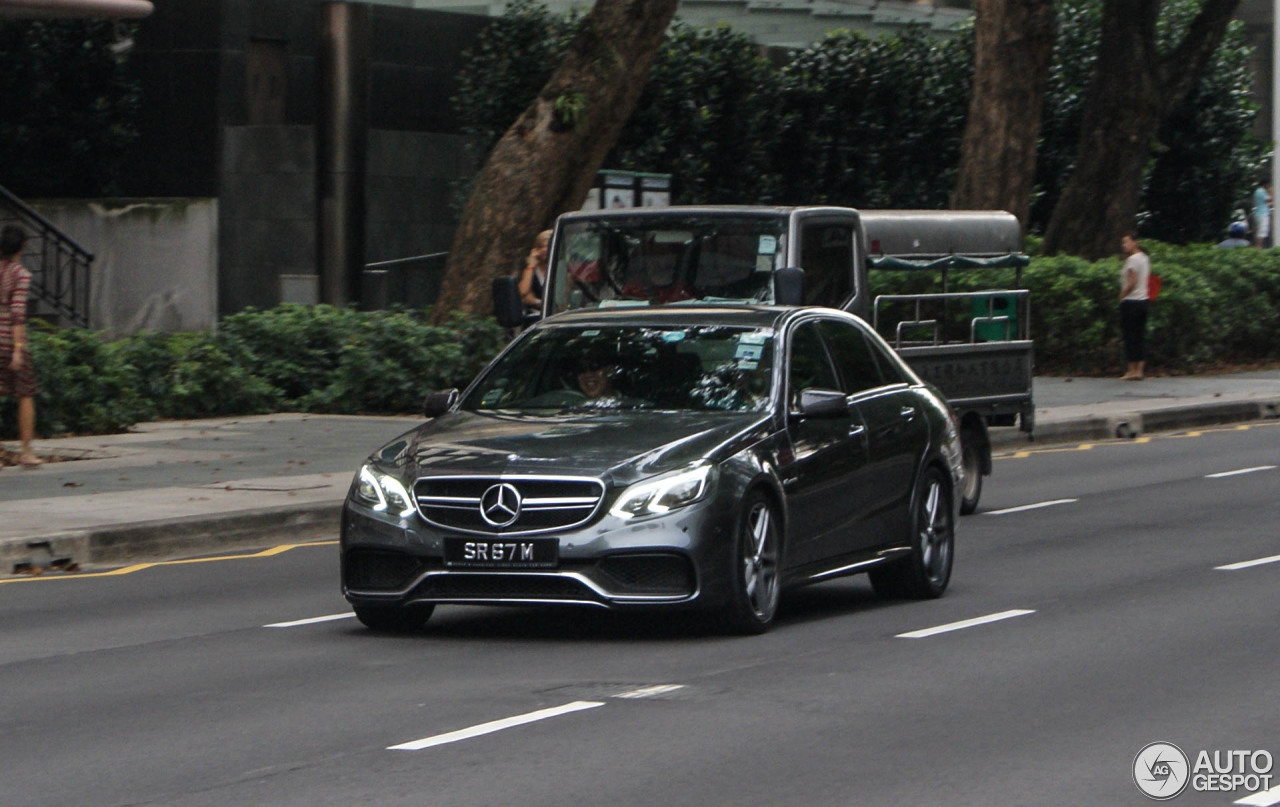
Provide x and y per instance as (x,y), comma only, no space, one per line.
(1110,626)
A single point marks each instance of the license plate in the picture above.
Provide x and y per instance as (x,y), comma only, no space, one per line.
(497,553)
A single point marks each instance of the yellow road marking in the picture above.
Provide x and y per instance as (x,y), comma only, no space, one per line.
(1024,453)
(138,567)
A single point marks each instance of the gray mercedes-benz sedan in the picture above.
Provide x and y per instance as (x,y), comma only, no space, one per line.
(676,457)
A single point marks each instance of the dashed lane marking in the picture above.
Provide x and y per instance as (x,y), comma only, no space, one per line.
(1246,564)
(967,623)
(1266,798)
(138,567)
(495,726)
(1252,470)
(311,621)
(1024,507)
(650,692)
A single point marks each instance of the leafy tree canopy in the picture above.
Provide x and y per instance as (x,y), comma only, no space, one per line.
(70,107)
(874,121)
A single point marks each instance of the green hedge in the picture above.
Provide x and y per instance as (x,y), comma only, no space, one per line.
(291,358)
(1218,306)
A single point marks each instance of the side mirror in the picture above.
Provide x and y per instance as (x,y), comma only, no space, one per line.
(788,286)
(507,307)
(438,403)
(823,403)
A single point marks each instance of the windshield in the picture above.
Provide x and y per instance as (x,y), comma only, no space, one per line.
(637,260)
(685,368)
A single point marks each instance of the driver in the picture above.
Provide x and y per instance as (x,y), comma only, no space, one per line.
(595,377)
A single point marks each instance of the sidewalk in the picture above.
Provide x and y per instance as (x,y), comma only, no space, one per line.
(191,487)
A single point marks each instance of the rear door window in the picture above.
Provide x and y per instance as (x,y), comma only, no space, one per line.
(853,357)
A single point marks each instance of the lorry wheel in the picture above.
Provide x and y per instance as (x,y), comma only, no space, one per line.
(971,457)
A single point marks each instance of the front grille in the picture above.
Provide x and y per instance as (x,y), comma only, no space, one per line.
(655,574)
(539,504)
(475,586)
(368,570)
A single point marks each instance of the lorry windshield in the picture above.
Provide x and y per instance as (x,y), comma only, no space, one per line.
(639,260)
(671,368)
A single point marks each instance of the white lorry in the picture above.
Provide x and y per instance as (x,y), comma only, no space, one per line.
(974,346)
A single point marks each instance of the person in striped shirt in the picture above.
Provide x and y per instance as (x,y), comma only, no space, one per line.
(17,375)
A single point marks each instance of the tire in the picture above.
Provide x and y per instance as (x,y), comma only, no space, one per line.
(925,573)
(394,619)
(971,458)
(756,565)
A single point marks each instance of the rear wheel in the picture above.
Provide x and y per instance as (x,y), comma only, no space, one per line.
(971,457)
(924,573)
(394,619)
(757,584)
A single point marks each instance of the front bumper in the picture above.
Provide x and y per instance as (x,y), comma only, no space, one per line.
(678,559)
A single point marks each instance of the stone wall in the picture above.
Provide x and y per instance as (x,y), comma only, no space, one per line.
(155,260)
(268,216)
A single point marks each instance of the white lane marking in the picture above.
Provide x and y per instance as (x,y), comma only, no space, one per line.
(1264,799)
(649,692)
(1241,471)
(967,623)
(1035,506)
(495,725)
(313,620)
(1245,564)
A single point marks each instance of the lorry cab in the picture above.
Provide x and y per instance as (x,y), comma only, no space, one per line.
(733,254)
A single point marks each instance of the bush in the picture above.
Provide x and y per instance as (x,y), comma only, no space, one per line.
(1218,306)
(389,362)
(294,348)
(291,358)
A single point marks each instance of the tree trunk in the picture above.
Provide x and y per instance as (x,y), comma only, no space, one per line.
(1013,46)
(1133,90)
(548,159)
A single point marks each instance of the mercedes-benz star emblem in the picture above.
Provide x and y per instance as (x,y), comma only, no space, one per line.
(500,505)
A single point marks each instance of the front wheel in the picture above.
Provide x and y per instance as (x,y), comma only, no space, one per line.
(394,619)
(924,573)
(756,581)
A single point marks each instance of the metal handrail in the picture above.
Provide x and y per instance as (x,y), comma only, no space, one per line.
(59,269)
(1023,296)
(396,261)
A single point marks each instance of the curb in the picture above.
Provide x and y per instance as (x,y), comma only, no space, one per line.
(1128,425)
(177,536)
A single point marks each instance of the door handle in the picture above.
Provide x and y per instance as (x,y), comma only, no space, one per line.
(857,430)
(908,413)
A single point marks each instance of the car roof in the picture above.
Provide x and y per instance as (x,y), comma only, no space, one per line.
(678,314)
(674,314)
(677,211)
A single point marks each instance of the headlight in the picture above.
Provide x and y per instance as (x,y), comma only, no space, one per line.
(662,494)
(383,493)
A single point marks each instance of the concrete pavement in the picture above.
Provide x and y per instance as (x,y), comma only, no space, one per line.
(188,487)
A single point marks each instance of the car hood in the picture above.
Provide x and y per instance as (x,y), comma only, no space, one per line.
(617,447)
